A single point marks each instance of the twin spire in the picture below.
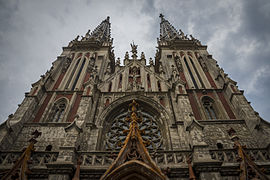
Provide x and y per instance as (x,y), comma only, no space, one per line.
(102,33)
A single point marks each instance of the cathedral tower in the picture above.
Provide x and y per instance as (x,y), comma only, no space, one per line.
(177,117)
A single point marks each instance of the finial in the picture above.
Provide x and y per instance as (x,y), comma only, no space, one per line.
(108,18)
(161,16)
(118,61)
(151,62)
(134,50)
(77,38)
(142,55)
(88,33)
(126,55)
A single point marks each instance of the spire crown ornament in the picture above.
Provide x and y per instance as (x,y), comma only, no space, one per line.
(134,51)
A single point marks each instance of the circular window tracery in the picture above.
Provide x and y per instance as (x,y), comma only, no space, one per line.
(115,137)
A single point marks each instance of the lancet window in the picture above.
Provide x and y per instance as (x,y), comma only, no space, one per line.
(209,107)
(58,110)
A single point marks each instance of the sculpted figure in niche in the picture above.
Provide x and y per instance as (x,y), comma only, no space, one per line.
(174,73)
(117,62)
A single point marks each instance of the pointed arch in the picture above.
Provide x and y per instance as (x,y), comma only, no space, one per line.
(58,110)
(134,169)
(209,107)
(155,109)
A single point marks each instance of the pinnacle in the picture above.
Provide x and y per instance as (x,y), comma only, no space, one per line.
(161,16)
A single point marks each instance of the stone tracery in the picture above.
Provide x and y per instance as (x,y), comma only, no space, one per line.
(151,132)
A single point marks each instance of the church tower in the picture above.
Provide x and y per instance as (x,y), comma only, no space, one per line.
(177,117)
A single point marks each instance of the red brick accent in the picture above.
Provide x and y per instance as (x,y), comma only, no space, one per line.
(42,108)
(194,106)
(197,54)
(79,55)
(107,102)
(74,109)
(210,80)
(226,105)
(87,76)
(180,89)
(181,53)
(182,76)
(58,96)
(190,54)
(60,78)
(232,86)
(34,92)
(88,91)
(210,94)
(87,55)
(72,56)
(161,100)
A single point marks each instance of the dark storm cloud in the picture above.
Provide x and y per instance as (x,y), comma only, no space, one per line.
(33,32)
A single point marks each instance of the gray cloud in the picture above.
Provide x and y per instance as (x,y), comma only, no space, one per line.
(32,33)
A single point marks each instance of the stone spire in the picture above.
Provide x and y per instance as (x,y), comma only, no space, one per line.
(102,32)
(167,31)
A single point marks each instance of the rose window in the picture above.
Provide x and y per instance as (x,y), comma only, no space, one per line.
(115,137)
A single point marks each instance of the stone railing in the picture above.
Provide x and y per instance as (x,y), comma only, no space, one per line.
(162,158)
(39,158)
(231,156)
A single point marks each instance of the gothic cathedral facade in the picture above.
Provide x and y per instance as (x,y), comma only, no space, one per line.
(177,117)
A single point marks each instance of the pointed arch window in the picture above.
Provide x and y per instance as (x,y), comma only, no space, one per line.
(209,107)
(110,87)
(73,71)
(148,81)
(159,86)
(78,75)
(120,81)
(58,111)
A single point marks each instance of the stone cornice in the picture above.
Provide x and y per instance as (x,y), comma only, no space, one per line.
(181,44)
(213,122)
(47,124)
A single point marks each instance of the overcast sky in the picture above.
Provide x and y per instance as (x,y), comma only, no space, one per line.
(32,34)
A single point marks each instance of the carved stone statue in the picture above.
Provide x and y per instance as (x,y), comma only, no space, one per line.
(142,55)
(161,69)
(117,62)
(174,73)
(108,70)
(134,50)
(126,55)
(151,62)
(94,73)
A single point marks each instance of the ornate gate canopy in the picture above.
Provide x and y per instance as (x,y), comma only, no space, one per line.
(134,161)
